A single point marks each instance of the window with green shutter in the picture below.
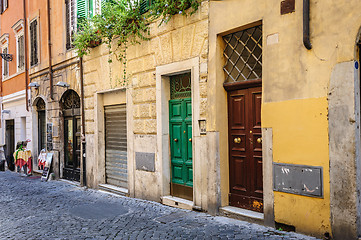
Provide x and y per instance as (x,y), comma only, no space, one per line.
(144,6)
(85,10)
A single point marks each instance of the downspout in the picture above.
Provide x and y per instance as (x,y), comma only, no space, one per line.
(82,158)
(49,50)
(306,24)
(26,59)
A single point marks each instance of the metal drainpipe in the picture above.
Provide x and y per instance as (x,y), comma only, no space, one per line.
(49,50)
(26,58)
(83,157)
(306,24)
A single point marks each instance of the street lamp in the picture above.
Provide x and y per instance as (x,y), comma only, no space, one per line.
(62,84)
(34,85)
(6,57)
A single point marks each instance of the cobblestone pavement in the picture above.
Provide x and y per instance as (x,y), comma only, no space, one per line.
(31,209)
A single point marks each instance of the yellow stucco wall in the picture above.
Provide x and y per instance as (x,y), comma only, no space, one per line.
(295,84)
(300,133)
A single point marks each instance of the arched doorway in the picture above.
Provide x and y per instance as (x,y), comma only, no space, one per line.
(70,103)
(40,108)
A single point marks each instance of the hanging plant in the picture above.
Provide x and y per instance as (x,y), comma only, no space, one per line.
(86,38)
(121,20)
(124,22)
(167,8)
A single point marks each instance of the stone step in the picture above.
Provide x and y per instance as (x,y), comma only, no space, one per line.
(242,214)
(114,189)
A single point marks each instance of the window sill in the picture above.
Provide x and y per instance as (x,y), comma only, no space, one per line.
(6,78)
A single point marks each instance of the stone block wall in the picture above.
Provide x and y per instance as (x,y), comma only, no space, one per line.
(182,38)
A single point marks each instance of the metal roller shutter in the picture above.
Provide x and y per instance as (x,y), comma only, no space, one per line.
(116,145)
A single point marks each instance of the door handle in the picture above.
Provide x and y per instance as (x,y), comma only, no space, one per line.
(259,140)
(237,140)
(190,139)
(176,140)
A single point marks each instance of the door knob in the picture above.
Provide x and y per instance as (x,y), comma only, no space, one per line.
(190,139)
(237,140)
(176,140)
(259,140)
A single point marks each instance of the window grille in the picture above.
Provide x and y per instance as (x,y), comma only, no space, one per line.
(21,53)
(33,43)
(5,64)
(40,105)
(243,54)
(180,86)
(70,22)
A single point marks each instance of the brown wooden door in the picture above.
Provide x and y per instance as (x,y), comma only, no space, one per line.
(245,148)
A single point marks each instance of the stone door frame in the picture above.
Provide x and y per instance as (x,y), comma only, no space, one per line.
(163,150)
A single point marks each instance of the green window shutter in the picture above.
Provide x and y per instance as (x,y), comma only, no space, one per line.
(91,8)
(144,6)
(82,11)
(82,8)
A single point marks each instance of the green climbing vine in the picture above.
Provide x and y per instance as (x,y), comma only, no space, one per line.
(126,22)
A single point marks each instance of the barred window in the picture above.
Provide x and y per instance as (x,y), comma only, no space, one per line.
(21,53)
(5,64)
(34,43)
(70,22)
(243,54)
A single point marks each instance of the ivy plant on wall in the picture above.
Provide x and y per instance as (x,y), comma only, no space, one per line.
(125,22)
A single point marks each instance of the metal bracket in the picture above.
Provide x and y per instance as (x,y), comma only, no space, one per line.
(6,57)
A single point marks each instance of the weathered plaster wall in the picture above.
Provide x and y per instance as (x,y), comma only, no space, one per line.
(295,104)
(179,40)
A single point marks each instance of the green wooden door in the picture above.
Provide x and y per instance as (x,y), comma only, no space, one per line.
(180,125)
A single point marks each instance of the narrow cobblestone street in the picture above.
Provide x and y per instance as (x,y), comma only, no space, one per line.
(31,209)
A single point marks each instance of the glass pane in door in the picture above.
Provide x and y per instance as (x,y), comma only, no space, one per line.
(42,130)
(77,142)
(69,145)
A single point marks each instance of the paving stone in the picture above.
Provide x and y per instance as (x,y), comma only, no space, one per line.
(32,209)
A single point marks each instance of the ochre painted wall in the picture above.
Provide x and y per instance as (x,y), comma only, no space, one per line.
(38,9)
(300,128)
(12,15)
(295,85)
(14,85)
